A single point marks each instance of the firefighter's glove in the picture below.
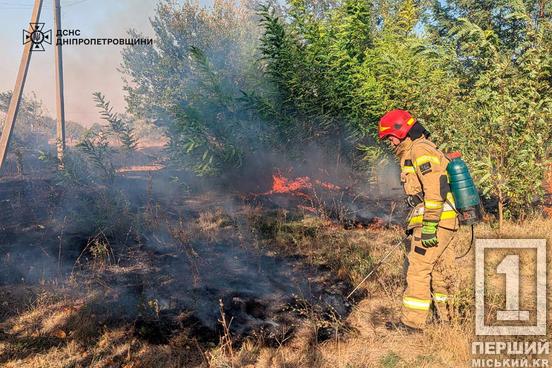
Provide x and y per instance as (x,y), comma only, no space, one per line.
(429,234)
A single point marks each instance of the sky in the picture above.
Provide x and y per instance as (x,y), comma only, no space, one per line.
(87,69)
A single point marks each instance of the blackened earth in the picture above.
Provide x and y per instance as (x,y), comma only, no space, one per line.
(154,281)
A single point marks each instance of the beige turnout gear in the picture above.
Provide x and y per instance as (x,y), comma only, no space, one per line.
(428,281)
(425,181)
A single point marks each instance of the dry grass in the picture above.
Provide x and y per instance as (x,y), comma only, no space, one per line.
(49,331)
(373,346)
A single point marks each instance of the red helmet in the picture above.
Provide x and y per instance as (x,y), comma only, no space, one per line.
(396,123)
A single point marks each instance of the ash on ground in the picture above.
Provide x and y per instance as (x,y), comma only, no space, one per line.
(135,254)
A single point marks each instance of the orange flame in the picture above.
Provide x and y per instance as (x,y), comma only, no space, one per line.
(281,184)
(328,186)
(297,186)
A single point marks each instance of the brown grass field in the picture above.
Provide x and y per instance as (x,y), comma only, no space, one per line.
(57,327)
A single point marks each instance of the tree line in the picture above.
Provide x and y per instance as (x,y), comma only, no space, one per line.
(231,81)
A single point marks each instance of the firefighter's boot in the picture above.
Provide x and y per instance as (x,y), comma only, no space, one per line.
(400,326)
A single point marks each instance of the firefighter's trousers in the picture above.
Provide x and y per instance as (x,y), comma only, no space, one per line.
(428,279)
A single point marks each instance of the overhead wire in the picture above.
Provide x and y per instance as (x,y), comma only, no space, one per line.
(9,5)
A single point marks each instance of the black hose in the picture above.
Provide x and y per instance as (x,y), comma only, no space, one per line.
(471,243)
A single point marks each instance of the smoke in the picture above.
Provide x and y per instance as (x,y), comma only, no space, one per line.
(94,68)
(87,69)
(158,240)
(161,250)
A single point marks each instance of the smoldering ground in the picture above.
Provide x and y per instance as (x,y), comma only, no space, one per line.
(163,251)
(158,251)
(160,256)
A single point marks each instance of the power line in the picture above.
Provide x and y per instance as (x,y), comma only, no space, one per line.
(75,3)
(30,5)
(9,5)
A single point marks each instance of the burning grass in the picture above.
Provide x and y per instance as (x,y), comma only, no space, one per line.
(137,269)
(178,278)
(55,329)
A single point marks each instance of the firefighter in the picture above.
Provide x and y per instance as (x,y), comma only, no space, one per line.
(432,221)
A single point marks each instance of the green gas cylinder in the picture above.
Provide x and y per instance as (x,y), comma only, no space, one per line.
(466,196)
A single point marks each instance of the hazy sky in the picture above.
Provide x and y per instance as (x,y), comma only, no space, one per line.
(86,68)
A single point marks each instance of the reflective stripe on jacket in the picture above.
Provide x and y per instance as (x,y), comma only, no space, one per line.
(424,170)
(416,216)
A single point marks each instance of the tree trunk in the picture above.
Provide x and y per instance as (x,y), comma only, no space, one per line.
(500,210)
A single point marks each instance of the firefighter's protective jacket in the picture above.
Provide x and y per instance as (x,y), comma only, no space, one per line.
(425,181)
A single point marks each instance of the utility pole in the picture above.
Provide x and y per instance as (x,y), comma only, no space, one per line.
(19,84)
(60,105)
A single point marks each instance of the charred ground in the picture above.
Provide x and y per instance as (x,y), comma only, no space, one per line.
(158,269)
(167,260)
